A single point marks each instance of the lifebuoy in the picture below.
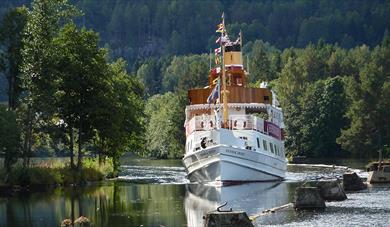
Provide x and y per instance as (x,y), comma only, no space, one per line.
(207,124)
(239,124)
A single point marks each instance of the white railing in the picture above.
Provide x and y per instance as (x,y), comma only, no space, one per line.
(200,123)
(236,122)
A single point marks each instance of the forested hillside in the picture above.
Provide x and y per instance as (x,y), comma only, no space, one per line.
(135,29)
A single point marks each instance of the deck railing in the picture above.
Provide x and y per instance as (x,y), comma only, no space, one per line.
(236,122)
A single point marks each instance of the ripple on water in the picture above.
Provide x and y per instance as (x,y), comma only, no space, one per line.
(316,172)
(177,174)
(153,174)
(365,208)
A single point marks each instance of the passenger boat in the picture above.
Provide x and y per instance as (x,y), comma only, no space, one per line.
(238,139)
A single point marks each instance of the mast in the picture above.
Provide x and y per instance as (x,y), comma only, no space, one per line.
(224,91)
(210,60)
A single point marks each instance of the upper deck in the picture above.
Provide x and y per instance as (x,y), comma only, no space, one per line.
(235,81)
(237,94)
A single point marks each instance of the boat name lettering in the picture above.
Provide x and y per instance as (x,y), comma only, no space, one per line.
(235,152)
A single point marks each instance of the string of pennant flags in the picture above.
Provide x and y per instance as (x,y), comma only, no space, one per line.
(223,40)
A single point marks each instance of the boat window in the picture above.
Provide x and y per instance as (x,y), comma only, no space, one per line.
(272,147)
(265,145)
(276,149)
(258,142)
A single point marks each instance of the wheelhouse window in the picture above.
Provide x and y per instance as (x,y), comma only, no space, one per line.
(272,148)
(265,145)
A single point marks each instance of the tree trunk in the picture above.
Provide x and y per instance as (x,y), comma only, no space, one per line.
(71,148)
(72,217)
(79,164)
(11,105)
(100,157)
(27,140)
(100,153)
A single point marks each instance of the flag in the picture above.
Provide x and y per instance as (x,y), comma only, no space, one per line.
(222,39)
(238,41)
(215,71)
(228,43)
(217,51)
(217,60)
(218,40)
(214,94)
(220,28)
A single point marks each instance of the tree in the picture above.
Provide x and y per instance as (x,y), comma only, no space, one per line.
(83,81)
(38,74)
(369,129)
(290,86)
(9,138)
(11,35)
(150,74)
(186,72)
(322,117)
(164,130)
(118,121)
(260,63)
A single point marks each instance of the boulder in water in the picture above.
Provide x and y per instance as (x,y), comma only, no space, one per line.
(331,191)
(352,182)
(227,218)
(308,198)
(66,223)
(83,221)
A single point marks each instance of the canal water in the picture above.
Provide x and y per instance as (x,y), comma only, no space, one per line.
(157,193)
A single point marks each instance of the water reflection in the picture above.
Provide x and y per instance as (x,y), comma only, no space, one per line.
(115,204)
(252,198)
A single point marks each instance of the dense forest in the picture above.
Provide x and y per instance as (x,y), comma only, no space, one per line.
(137,29)
(70,91)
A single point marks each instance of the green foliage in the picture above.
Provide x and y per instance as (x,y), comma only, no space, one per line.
(118,120)
(185,72)
(263,61)
(11,35)
(83,80)
(9,138)
(369,93)
(142,29)
(150,74)
(164,131)
(322,117)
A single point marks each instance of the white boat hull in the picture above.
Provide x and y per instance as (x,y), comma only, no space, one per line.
(228,164)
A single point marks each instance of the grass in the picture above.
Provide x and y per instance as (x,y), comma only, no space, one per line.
(54,172)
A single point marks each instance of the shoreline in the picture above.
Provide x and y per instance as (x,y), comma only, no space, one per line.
(50,174)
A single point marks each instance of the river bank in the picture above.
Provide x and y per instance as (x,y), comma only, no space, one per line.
(44,174)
